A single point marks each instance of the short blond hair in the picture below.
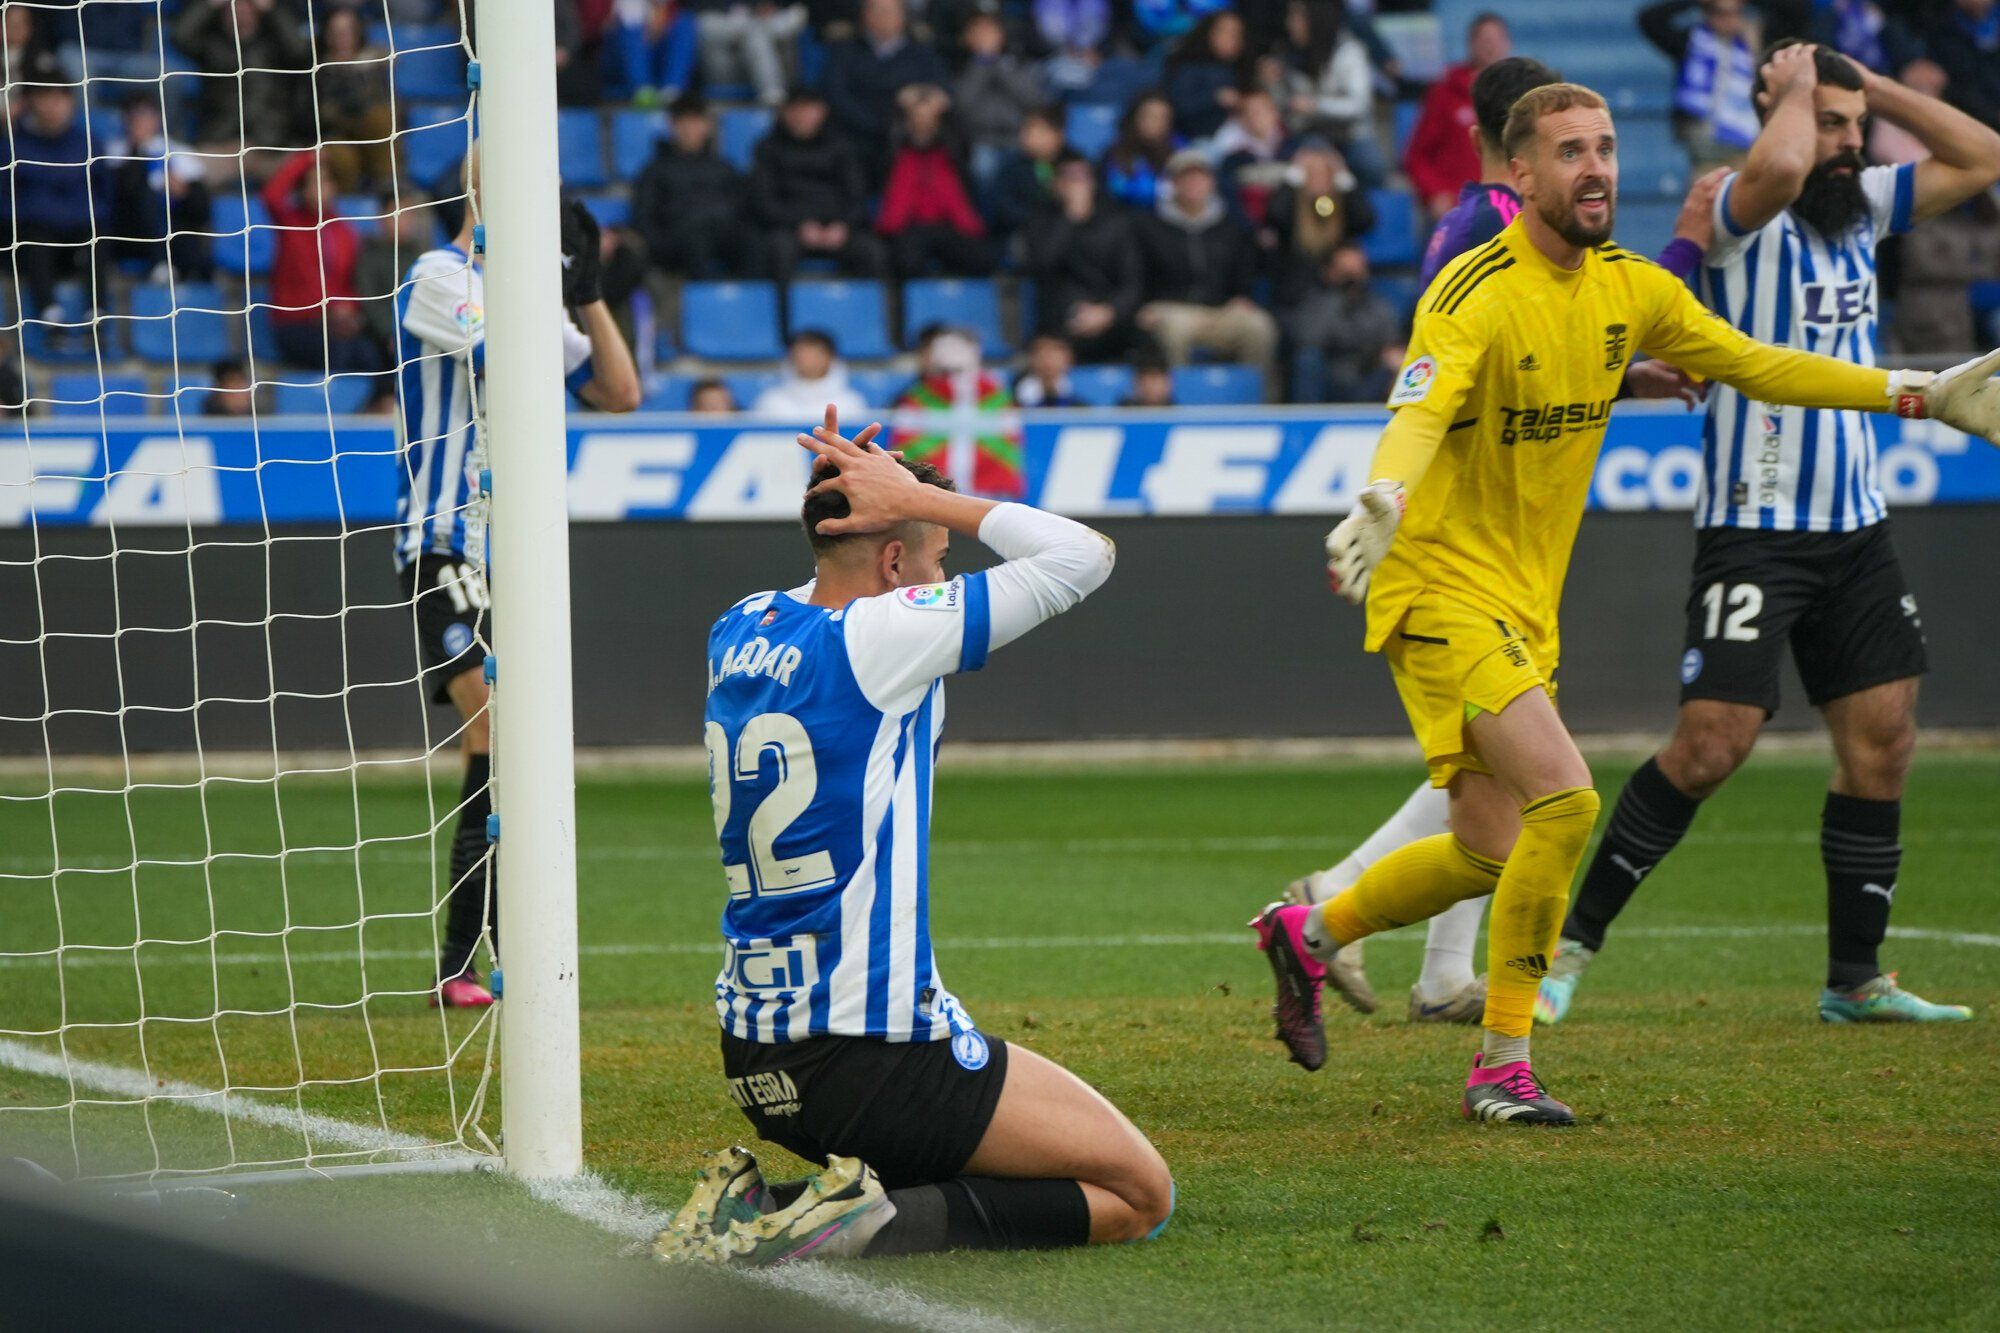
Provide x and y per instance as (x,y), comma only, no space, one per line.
(1525,116)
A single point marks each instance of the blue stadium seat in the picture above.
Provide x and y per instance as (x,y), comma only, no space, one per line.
(610,210)
(1119,81)
(364,212)
(263,346)
(745,385)
(245,239)
(433,143)
(1091,127)
(969,303)
(738,131)
(70,335)
(634,134)
(1102,386)
(668,393)
(1218,386)
(580,148)
(85,394)
(880,387)
(1985,296)
(1393,239)
(191,328)
(731,321)
(1402,293)
(854,314)
(430,71)
(1405,118)
(344,395)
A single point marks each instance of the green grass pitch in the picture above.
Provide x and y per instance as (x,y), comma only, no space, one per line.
(1737,1165)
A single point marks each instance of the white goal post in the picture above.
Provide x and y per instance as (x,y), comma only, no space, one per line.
(535,762)
(227,793)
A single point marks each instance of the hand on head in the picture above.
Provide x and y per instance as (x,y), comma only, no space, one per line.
(878,488)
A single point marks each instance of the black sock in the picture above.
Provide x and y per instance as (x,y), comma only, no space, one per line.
(980,1213)
(1646,824)
(1857,842)
(474,875)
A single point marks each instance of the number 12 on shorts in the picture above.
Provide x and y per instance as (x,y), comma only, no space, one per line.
(1744,601)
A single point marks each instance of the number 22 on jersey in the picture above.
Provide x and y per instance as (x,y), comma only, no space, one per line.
(783,738)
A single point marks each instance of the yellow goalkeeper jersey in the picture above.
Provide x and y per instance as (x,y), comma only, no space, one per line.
(1501,407)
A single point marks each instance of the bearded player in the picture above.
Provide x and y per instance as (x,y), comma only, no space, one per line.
(1460,545)
(1794,548)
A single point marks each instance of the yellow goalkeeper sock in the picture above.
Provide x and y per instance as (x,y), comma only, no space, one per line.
(1528,904)
(1413,883)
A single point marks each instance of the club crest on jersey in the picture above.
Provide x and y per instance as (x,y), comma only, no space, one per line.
(1614,346)
(970,1050)
(1414,382)
(930,597)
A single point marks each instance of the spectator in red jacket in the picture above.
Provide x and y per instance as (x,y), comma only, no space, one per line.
(927,214)
(1441,159)
(316,316)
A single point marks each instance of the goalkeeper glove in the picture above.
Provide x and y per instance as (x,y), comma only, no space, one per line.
(581,260)
(1359,542)
(1966,396)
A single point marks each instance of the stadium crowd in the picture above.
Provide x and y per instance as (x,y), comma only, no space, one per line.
(1169,188)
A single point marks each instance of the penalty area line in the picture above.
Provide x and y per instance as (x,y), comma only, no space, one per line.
(586,1197)
(197,955)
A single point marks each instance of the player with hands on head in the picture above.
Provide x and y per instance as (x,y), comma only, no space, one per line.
(839,1040)
(1794,548)
(1460,546)
(440,529)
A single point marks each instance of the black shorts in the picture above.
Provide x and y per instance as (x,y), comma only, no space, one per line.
(915,1111)
(1838,599)
(453,619)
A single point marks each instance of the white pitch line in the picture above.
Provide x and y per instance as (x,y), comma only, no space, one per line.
(586,1196)
(30,867)
(121,956)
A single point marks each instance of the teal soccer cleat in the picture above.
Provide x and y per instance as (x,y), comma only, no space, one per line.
(834,1217)
(1558,990)
(1883,1001)
(729,1188)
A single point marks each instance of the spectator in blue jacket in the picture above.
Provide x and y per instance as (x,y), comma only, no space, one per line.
(1165,20)
(55,199)
(865,74)
(1136,163)
(1206,73)
(1073,33)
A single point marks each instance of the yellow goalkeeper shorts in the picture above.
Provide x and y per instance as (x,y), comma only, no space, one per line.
(1451,662)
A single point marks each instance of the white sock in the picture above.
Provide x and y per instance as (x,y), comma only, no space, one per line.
(1448,949)
(1427,812)
(1313,931)
(1503,1050)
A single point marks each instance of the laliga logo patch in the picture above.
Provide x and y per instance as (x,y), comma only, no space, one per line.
(1414,382)
(468,316)
(1691,666)
(970,1050)
(930,597)
(457,638)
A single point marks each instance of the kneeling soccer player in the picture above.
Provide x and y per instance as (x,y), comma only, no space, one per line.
(1514,362)
(839,1041)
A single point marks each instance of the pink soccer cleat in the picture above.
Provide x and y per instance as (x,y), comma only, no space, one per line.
(1510,1094)
(462,992)
(1300,978)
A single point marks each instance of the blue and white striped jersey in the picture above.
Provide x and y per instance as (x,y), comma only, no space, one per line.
(1783,468)
(822,730)
(441,349)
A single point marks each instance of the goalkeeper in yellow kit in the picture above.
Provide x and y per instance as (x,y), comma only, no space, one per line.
(1461,543)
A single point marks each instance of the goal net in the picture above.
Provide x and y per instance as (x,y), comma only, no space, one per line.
(227,793)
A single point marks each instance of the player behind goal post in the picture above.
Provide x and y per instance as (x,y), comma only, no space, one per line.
(440,538)
(839,1041)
